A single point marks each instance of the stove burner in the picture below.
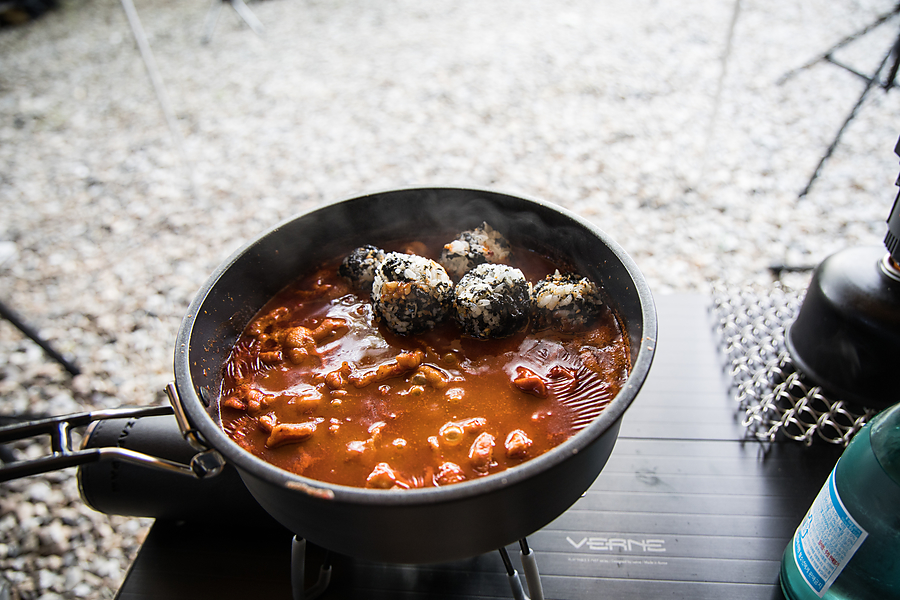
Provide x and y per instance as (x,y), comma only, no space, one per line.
(300,592)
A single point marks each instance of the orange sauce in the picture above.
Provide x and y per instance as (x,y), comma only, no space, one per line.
(316,386)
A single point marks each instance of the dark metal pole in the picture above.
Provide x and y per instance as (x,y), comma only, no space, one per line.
(8,314)
(869,83)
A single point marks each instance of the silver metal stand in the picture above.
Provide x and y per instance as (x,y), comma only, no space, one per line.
(298,573)
(720,85)
(243,11)
(532,576)
(158,86)
(300,592)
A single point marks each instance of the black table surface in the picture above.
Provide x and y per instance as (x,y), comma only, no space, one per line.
(687,507)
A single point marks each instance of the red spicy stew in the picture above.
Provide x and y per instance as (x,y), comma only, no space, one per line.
(315,385)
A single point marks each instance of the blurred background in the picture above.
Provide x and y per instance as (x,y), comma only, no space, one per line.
(668,124)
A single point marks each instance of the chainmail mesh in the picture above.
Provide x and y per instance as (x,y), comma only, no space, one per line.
(774,396)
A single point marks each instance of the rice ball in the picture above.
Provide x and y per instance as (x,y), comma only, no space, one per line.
(566,302)
(474,247)
(410,293)
(359,266)
(492,301)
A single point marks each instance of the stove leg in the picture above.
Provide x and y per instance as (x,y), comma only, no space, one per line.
(532,576)
(298,573)
(514,583)
(298,568)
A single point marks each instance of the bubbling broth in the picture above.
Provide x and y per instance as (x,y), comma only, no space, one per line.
(332,379)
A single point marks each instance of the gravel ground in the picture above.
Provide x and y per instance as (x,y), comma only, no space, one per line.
(607,108)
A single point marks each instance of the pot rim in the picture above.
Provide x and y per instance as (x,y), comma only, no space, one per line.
(216,438)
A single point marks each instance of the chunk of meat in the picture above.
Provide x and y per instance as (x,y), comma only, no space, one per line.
(304,400)
(329,328)
(449,472)
(428,375)
(299,344)
(246,398)
(266,323)
(517,444)
(290,433)
(382,477)
(403,362)
(529,382)
(235,401)
(481,453)
(273,357)
(336,379)
(267,422)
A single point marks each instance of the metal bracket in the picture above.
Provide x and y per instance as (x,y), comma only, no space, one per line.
(207,462)
(62,455)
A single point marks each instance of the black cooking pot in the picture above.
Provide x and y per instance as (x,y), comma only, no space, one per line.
(420,525)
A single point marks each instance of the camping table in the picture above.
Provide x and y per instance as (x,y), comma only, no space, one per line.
(686,508)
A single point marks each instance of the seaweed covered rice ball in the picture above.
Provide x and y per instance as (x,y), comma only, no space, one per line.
(474,247)
(567,302)
(410,293)
(492,301)
(359,266)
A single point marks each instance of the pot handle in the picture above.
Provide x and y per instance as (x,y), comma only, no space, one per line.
(207,461)
(60,431)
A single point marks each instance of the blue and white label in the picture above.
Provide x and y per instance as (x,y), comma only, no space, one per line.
(826,539)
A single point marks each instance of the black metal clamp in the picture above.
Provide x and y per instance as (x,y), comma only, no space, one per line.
(206,463)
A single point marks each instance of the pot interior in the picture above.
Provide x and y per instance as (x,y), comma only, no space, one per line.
(244,283)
